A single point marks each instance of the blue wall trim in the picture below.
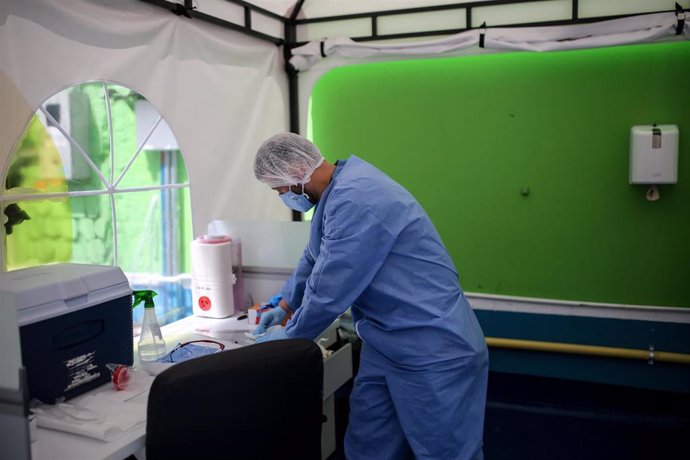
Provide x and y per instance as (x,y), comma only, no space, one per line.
(635,334)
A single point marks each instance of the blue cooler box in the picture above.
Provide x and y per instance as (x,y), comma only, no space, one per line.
(73,320)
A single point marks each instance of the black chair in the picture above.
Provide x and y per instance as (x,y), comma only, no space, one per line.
(263,402)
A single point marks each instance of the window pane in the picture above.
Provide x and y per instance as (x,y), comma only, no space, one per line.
(124,124)
(157,162)
(45,160)
(154,230)
(155,168)
(139,231)
(93,235)
(68,229)
(36,165)
(82,113)
(89,127)
(153,249)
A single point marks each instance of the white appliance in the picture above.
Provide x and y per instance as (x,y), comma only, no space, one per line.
(654,154)
(216,276)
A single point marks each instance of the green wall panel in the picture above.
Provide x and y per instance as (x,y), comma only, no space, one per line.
(521,160)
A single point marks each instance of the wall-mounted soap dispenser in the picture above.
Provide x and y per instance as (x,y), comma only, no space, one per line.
(654,154)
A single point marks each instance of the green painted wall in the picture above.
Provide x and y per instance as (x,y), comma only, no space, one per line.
(521,160)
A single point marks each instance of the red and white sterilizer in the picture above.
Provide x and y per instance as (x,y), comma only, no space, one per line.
(216,276)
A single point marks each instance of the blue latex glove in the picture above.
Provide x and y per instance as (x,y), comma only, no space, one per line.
(277,334)
(275,300)
(272,317)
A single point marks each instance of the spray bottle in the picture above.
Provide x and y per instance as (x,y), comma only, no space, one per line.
(151,343)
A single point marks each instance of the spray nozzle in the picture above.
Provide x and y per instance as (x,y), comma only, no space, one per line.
(144,295)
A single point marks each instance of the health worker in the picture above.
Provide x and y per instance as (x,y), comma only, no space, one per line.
(420,390)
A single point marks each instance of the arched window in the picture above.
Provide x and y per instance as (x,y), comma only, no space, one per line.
(97,177)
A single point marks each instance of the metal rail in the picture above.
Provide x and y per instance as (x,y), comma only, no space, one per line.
(468,7)
(650,355)
(188,10)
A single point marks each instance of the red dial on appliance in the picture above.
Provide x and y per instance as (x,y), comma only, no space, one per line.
(204,303)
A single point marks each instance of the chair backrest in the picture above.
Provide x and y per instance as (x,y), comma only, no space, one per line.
(263,401)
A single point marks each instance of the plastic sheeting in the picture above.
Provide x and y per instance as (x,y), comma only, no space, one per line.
(637,29)
(221,92)
(307,55)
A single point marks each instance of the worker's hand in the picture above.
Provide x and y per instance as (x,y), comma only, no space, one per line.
(276,334)
(272,317)
(275,300)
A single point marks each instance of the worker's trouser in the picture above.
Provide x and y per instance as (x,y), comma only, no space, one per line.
(398,414)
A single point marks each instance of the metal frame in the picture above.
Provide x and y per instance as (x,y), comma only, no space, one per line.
(189,10)
(468,7)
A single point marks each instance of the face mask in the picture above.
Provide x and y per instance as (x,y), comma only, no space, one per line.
(297,202)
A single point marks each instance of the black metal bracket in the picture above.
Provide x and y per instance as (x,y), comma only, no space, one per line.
(680,14)
(190,11)
(292,74)
(183,10)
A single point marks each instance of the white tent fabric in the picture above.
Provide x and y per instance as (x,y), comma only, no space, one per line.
(636,29)
(221,92)
(307,55)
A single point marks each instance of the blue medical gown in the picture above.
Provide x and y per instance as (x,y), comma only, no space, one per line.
(373,247)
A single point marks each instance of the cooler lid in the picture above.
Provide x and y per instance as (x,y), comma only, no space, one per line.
(47,291)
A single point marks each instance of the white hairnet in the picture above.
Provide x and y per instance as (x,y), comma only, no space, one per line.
(286,159)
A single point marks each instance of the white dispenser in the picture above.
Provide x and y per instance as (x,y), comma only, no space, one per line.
(216,276)
(654,154)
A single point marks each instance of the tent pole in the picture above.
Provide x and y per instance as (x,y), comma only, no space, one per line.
(293,90)
(288,45)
